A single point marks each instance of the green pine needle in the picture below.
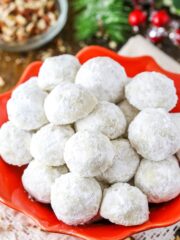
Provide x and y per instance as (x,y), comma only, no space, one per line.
(109,16)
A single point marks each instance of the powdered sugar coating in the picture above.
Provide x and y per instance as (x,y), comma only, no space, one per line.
(125,205)
(125,163)
(106,118)
(104,77)
(29,87)
(47,145)
(37,180)
(75,200)
(68,103)
(88,154)
(160,181)
(26,106)
(153,134)
(151,90)
(176,119)
(15,145)
(57,69)
(129,111)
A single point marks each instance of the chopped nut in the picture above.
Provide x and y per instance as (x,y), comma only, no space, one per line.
(50,5)
(6,38)
(40,12)
(62,49)
(19,61)
(7,31)
(2,82)
(113,44)
(10,21)
(5,1)
(51,17)
(41,24)
(21,20)
(34,18)
(7,58)
(29,27)
(21,34)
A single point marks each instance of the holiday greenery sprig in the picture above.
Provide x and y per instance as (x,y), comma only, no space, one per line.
(108,16)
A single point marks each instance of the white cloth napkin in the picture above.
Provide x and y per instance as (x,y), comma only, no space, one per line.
(139,46)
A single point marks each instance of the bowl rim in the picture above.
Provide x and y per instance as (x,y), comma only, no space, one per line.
(41,39)
(79,231)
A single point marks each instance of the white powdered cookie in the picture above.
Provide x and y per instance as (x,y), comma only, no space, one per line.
(104,77)
(160,181)
(125,205)
(37,180)
(47,144)
(74,199)
(68,103)
(26,106)
(125,163)
(151,90)
(153,134)
(106,118)
(15,145)
(88,154)
(57,69)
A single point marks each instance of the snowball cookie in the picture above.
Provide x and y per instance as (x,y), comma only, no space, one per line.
(106,118)
(153,134)
(151,90)
(125,205)
(57,69)
(47,145)
(160,181)
(176,119)
(74,199)
(125,163)
(14,145)
(68,103)
(37,180)
(104,77)
(26,106)
(129,111)
(88,154)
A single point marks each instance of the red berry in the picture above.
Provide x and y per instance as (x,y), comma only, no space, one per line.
(137,17)
(160,18)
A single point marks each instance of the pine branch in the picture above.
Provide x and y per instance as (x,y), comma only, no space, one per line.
(110,16)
